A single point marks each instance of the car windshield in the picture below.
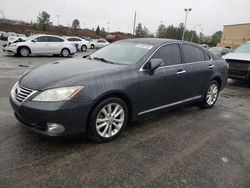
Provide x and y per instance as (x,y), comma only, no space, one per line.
(244,48)
(122,53)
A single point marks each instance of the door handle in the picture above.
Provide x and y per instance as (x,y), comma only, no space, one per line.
(210,66)
(181,72)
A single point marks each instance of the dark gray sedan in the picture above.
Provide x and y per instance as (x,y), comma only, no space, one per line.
(97,96)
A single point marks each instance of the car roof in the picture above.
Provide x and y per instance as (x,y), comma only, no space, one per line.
(152,41)
(41,35)
(73,37)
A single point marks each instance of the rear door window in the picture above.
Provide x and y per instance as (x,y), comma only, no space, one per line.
(192,54)
(55,39)
(170,54)
(77,39)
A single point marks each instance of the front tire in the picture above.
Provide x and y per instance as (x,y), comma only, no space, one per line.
(24,51)
(65,52)
(107,120)
(211,95)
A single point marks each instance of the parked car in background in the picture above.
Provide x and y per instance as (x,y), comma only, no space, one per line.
(98,43)
(97,96)
(5,36)
(20,37)
(81,44)
(41,45)
(239,63)
(205,46)
(219,51)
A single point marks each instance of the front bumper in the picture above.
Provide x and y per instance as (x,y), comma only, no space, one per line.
(239,75)
(36,115)
(10,49)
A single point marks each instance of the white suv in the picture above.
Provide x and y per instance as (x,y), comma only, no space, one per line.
(41,45)
(79,43)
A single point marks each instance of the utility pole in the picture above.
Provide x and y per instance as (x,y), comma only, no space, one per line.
(184,30)
(58,19)
(134,23)
(200,35)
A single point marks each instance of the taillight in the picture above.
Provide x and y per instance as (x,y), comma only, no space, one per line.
(227,65)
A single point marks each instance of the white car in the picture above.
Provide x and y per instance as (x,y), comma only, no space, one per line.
(15,38)
(98,43)
(41,45)
(79,43)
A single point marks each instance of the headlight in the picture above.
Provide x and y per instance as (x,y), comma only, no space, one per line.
(13,44)
(58,94)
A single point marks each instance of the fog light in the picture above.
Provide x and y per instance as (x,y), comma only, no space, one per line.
(55,128)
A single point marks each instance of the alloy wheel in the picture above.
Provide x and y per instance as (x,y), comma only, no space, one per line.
(65,52)
(212,94)
(24,52)
(110,120)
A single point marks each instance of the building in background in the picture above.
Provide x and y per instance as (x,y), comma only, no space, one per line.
(235,35)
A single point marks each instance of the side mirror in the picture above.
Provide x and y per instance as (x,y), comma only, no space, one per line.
(34,40)
(153,64)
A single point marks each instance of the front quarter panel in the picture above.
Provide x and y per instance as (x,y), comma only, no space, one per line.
(124,82)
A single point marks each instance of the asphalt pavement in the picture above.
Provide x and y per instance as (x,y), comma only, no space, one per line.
(186,147)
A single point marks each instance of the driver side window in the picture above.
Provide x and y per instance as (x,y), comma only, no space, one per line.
(170,54)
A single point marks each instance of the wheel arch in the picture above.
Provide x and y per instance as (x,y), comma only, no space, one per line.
(23,46)
(117,94)
(217,79)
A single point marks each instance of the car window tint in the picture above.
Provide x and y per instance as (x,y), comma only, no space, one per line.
(192,54)
(55,39)
(42,39)
(70,39)
(101,41)
(77,39)
(170,54)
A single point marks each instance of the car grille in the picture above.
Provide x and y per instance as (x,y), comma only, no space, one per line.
(20,93)
(239,65)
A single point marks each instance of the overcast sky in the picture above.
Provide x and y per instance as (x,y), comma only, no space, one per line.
(211,14)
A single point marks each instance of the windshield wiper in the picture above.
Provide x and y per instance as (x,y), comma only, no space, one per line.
(103,60)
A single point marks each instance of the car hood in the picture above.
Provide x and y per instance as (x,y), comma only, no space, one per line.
(66,73)
(238,56)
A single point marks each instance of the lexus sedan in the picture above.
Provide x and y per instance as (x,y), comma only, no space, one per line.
(98,95)
(41,45)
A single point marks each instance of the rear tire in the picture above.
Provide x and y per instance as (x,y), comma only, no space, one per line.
(211,95)
(107,120)
(65,52)
(23,51)
(92,46)
(84,48)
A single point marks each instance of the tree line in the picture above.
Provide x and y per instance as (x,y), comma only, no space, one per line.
(172,32)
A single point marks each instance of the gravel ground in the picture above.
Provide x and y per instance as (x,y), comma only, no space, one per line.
(186,147)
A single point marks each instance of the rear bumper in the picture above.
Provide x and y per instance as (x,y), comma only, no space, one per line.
(35,116)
